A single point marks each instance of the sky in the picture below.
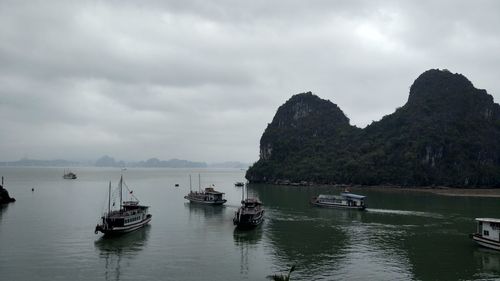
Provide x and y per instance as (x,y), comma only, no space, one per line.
(200,80)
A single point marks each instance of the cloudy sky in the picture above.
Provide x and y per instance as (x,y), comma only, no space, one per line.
(200,80)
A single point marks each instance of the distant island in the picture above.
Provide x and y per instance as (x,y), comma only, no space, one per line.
(107,161)
(447,134)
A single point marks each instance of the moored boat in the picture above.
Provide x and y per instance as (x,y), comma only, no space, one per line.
(250,214)
(239,183)
(207,197)
(131,216)
(345,200)
(487,233)
(69,175)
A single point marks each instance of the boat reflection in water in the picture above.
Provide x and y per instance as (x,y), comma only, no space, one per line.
(116,251)
(247,242)
(488,260)
(204,210)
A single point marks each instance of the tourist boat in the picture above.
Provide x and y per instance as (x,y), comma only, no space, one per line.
(250,214)
(207,197)
(69,175)
(131,216)
(344,200)
(488,233)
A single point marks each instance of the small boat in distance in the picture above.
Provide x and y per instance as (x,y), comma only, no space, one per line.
(131,216)
(345,200)
(488,233)
(69,175)
(208,197)
(250,214)
(239,183)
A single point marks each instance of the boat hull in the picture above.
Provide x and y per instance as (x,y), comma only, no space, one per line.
(488,243)
(205,202)
(250,223)
(337,206)
(123,229)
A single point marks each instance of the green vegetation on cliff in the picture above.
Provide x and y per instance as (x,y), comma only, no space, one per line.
(446,134)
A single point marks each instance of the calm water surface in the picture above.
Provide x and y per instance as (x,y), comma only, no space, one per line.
(48,234)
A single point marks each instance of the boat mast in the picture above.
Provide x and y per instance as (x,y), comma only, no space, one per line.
(121,184)
(242,194)
(2,180)
(190,187)
(199,183)
(109,198)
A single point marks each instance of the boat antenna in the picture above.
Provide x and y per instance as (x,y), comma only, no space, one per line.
(199,182)
(247,192)
(121,184)
(190,187)
(109,198)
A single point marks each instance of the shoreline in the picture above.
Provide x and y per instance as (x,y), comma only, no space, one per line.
(438,190)
(444,191)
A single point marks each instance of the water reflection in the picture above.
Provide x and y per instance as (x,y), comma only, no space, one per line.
(114,249)
(247,241)
(248,237)
(203,210)
(487,260)
(300,234)
(3,208)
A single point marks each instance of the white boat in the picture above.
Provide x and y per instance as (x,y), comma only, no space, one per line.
(488,233)
(207,197)
(131,216)
(345,200)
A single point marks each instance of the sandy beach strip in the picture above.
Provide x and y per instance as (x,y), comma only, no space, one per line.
(445,191)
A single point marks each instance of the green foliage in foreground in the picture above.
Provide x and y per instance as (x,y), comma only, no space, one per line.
(281,277)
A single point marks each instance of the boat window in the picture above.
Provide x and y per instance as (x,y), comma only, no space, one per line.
(486,233)
(495,225)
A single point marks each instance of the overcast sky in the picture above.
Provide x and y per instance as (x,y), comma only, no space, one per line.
(200,80)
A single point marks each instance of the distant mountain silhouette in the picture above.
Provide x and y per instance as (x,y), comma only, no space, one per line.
(447,133)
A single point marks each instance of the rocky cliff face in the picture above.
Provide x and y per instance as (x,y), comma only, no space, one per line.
(4,196)
(446,134)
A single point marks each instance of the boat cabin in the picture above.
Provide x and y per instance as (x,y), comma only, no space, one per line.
(212,195)
(345,199)
(488,228)
(353,199)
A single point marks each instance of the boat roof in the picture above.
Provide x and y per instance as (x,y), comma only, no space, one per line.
(251,201)
(214,192)
(211,190)
(488,219)
(352,195)
(342,195)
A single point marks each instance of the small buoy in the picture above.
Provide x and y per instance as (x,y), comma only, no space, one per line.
(176,185)
(32,189)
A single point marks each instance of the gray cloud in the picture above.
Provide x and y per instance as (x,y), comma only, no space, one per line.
(200,80)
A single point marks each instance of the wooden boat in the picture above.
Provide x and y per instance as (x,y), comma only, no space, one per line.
(69,175)
(345,200)
(207,197)
(488,233)
(250,214)
(131,216)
